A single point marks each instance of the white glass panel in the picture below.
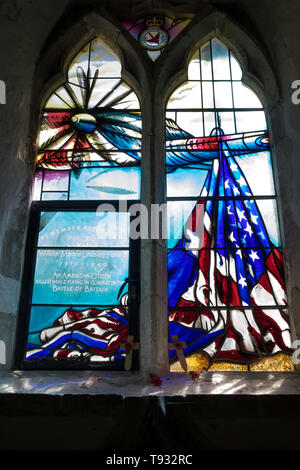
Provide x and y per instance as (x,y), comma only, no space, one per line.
(84,229)
(208,98)
(209,122)
(101,90)
(103,60)
(268,209)
(258,170)
(55,102)
(128,102)
(185,183)
(244,97)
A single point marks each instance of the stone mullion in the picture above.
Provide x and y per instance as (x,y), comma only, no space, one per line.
(153,311)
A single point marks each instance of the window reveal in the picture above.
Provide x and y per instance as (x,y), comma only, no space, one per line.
(227,296)
(81,307)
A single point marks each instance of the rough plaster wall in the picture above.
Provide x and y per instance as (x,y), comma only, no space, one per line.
(25,26)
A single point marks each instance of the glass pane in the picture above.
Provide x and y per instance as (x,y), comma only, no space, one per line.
(56,181)
(126,101)
(56,102)
(259,173)
(107,183)
(110,132)
(93,334)
(178,213)
(104,61)
(206,67)
(236,70)
(186,96)
(220,60)
(64,94)
(224,246)
(101,93)
(185,182)
(223,94)
(54,196)
(227,122)
(268,210)
(209,122)
(191,121)
(244,266)
(37,186)
(248,121)
(55,126)
(84,277)
(244,97)
(233,223)
(208,95)
(194,67)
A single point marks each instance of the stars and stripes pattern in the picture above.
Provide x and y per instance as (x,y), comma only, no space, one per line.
(226,279)
(90,335)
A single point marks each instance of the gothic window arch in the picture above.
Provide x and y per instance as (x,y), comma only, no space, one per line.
(228,312)
(227,293)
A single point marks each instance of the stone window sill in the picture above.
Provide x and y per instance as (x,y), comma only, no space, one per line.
(133,384)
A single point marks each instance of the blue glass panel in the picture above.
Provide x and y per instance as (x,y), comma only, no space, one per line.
(79,276)
(206,67)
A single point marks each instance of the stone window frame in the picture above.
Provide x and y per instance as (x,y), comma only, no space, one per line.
(153,83)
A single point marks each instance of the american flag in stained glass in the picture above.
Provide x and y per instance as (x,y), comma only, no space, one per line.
(227,292)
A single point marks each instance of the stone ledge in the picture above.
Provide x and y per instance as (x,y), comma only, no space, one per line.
(133,384)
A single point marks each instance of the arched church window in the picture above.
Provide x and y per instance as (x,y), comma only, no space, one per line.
(227,293)
(79,303)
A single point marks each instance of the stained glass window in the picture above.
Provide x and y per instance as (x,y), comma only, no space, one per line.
(78,302)
(227,293)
